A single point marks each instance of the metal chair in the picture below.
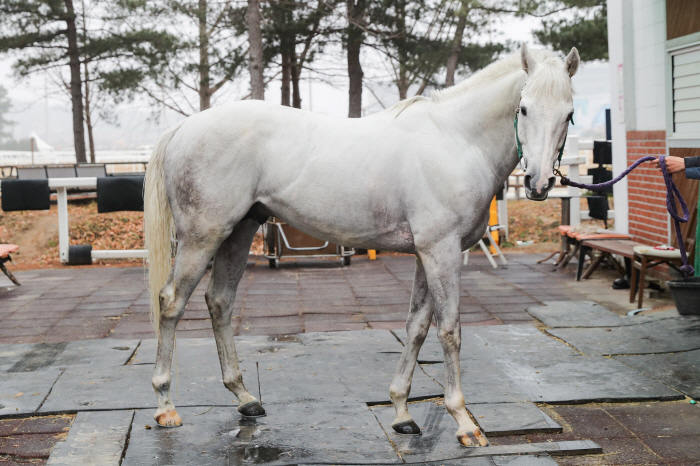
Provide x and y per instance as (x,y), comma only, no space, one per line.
(486,250)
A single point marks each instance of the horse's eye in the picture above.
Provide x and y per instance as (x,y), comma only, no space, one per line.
(523,110)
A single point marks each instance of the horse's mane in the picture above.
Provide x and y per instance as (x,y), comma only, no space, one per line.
(548,79)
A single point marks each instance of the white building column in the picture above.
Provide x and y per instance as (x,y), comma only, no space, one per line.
(621,53)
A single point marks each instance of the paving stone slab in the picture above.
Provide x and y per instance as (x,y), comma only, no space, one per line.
(519,363)
(23,393)
(437,441)
(517,460)
(665,336)
(678,370)
(40,356)
(336,375)
(563,314)
(294,433)
(495,419)
(129,387)
(94,438)
(263,347)
(500,419)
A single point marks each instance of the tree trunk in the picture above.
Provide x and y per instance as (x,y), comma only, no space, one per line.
(88,116)
(295,73)
(456,47)
(286,70)
(403,82)
(76,84)
(204,84)
(356,14)
(255,63)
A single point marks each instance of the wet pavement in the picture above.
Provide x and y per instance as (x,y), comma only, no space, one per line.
(550,373)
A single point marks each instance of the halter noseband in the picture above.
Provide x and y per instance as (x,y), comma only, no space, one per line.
(520,145)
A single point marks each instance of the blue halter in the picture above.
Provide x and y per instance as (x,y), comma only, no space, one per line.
(520,146)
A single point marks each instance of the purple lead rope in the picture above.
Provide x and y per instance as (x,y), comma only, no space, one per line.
(672,193)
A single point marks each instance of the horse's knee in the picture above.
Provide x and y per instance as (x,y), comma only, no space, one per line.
(450,335)
(168,306)
(417,331)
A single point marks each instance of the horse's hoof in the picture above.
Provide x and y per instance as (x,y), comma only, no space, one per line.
(169,419)
(473,439)
(406,428)
(252,409)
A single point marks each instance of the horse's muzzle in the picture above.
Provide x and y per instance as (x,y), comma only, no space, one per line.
(535,194)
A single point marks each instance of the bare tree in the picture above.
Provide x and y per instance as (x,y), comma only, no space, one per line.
(255,51)
(356,10)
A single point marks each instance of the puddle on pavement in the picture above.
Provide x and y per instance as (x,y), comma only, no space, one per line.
(292,338)
(255,454)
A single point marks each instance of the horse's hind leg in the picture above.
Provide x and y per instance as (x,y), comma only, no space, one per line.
(417,327)
(442,262)
(229,264)
(190,264)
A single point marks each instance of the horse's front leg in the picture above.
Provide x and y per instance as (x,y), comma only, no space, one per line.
(442,263)
(417,327)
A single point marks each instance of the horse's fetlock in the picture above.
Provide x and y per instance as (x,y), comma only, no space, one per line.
(233,381)
(161,383)
(397,393)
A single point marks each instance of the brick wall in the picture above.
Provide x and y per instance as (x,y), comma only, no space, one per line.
(648,218)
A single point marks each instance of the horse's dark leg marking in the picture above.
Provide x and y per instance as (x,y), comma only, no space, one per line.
(417,326)
(229,264)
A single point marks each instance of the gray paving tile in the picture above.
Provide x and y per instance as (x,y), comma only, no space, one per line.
(94,438)
(563,314)
(664,336)
(290,434)
(129,387)
(40,356)
(437,441)
(678,370)
(513,363)
(23,393)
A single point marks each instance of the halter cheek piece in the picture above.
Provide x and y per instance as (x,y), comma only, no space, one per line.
(520,145)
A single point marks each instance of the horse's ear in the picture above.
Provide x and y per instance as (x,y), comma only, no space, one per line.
(529,63)
(572,61)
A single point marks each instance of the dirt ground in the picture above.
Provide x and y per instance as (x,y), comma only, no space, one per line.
(36,232)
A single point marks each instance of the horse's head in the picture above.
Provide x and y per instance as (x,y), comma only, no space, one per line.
(542,120)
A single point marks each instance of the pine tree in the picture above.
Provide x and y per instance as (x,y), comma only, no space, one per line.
(587,30)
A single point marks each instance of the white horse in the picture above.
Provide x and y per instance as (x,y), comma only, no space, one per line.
(416,178)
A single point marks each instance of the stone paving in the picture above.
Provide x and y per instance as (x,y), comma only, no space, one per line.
(76,304)
(548,372)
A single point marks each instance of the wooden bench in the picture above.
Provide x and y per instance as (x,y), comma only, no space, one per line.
(574,238)
(607,248)
(5,251)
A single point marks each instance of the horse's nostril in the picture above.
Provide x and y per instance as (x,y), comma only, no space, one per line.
(552,181)
(526,182)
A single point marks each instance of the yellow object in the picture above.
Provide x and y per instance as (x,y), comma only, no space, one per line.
(372,254)
(493,220)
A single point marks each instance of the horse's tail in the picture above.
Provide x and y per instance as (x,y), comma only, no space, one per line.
(159,229)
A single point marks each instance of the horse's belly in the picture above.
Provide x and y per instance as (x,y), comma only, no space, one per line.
(342,227)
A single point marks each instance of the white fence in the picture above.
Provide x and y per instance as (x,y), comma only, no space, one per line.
(12,157)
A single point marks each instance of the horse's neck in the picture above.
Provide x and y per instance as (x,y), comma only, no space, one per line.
(485,117)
